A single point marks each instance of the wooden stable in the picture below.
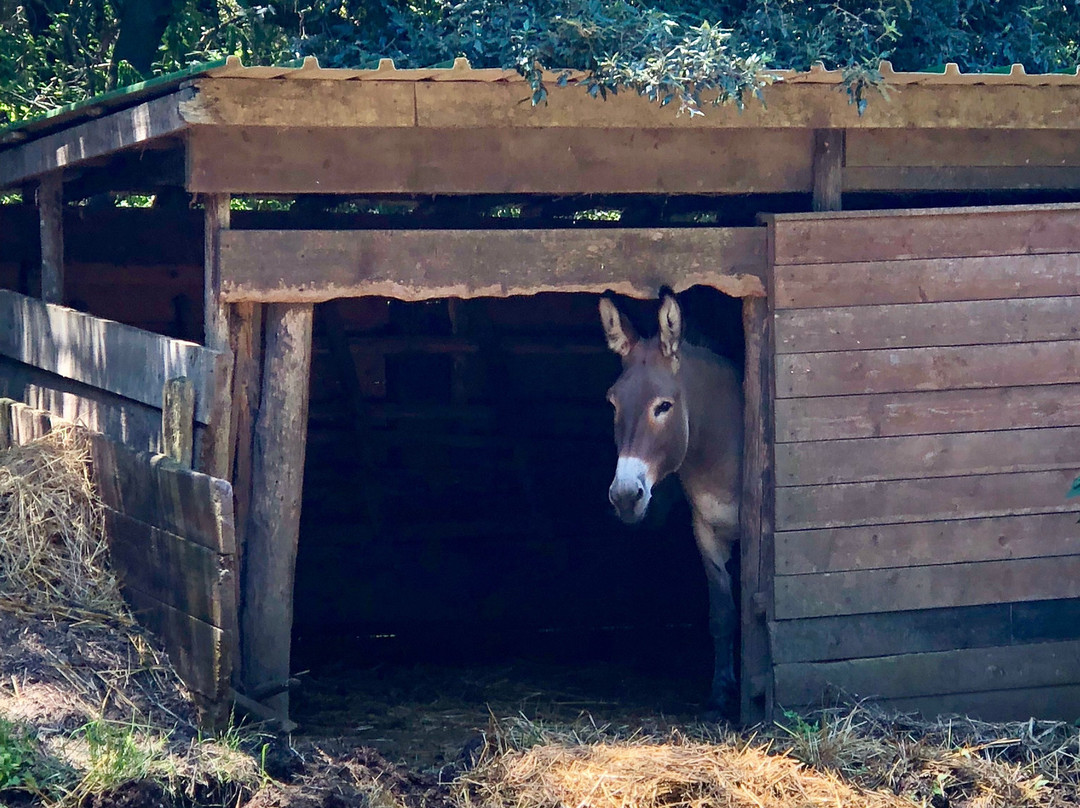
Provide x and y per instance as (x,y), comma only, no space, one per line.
(911,368)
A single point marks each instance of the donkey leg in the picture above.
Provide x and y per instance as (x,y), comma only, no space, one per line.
(715,545)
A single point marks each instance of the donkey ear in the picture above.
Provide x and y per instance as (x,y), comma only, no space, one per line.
(670,326)
(621,336)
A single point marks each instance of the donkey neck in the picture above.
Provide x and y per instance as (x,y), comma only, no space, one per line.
(714,410)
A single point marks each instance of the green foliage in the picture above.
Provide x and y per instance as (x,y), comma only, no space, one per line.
(18,757)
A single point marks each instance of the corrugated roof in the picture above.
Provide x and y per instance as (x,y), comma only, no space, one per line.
(460,70)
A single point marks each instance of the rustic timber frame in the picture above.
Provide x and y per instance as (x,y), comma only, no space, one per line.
(323,135)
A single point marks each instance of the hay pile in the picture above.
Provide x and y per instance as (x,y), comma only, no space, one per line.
(597,769)
(53,553)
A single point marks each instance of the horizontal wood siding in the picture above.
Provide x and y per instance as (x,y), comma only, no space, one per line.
(928,428)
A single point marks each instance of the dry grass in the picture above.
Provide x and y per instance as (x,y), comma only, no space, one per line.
(53,553)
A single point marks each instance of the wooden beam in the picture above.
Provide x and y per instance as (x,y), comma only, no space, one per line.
(318,265)
(111,356)
(755,602)
(277,476)
(828,168)
(216,452)
(273,160)
(78,144)
(50,202)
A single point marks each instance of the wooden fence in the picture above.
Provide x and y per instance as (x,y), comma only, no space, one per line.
(927,429)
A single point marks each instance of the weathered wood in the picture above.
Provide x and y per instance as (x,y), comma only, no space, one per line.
(136,425)
(939,149)
(50,202)
(1059,703)
(927,281)
(200,652)
(186,576)
(487,160)
(102,353)
(77,144)
(909,369)
(756,576)
(314,266)
(177,420)
(869,179)
(939,586)
(911,545)
(919,500)
(940,233)
(860,636)
(6,433)
(277,477)
(217,452)
(936,673)
(836,417)
(157,491)
(983,322)
(863,460)
(828,169)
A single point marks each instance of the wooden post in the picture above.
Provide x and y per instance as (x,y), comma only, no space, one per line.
(178,420)
(755,556)
(50,200)
(828,168)
(277,476)
(215,453)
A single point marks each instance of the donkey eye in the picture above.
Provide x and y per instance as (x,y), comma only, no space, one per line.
(661,408)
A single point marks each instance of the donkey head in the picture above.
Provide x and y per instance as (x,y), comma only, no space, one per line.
(652,426)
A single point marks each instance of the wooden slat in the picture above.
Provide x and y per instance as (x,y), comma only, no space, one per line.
(938,673)
(317,265)
(157,491)
(77,144)
(486,160)
(927,281)
(944,585)
(50,201)
(177,414)
(828,169)
(896,370)
(922,500)
(186,576)
(924,543)
(927,412)
(983,322)
(201,653)
(960,178)
(1059,703)
(102,353)
(942,233)
(133,424)
(959,454)
(944,148)
(861,636)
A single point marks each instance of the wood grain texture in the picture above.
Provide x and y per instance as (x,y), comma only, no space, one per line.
(867,283)
(899,370)
(941,233)
(114,357)
(933,587)
(921,500)
(486,160)
(920,413)
(959,178)
(936,673)
(50,201)
(945,148)
(317,265)
(828,169)
(925,543)
(983,322)
(277,474)
(1057,703)
(177,420)
(955,455)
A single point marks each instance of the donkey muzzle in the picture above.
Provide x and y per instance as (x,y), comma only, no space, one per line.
(631,489)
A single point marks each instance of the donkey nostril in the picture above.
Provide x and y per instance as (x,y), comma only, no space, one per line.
(640,494)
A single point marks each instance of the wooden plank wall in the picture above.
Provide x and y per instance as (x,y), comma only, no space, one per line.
(172,543)
(927,429)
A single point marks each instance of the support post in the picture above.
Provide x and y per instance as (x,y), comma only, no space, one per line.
(755,519)
(178,420)
(215,452)
(50,202)
(277,475)
(828,168)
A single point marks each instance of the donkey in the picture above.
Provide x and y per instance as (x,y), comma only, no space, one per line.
(678,410)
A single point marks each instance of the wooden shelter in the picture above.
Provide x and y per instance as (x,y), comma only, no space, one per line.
(911,363)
